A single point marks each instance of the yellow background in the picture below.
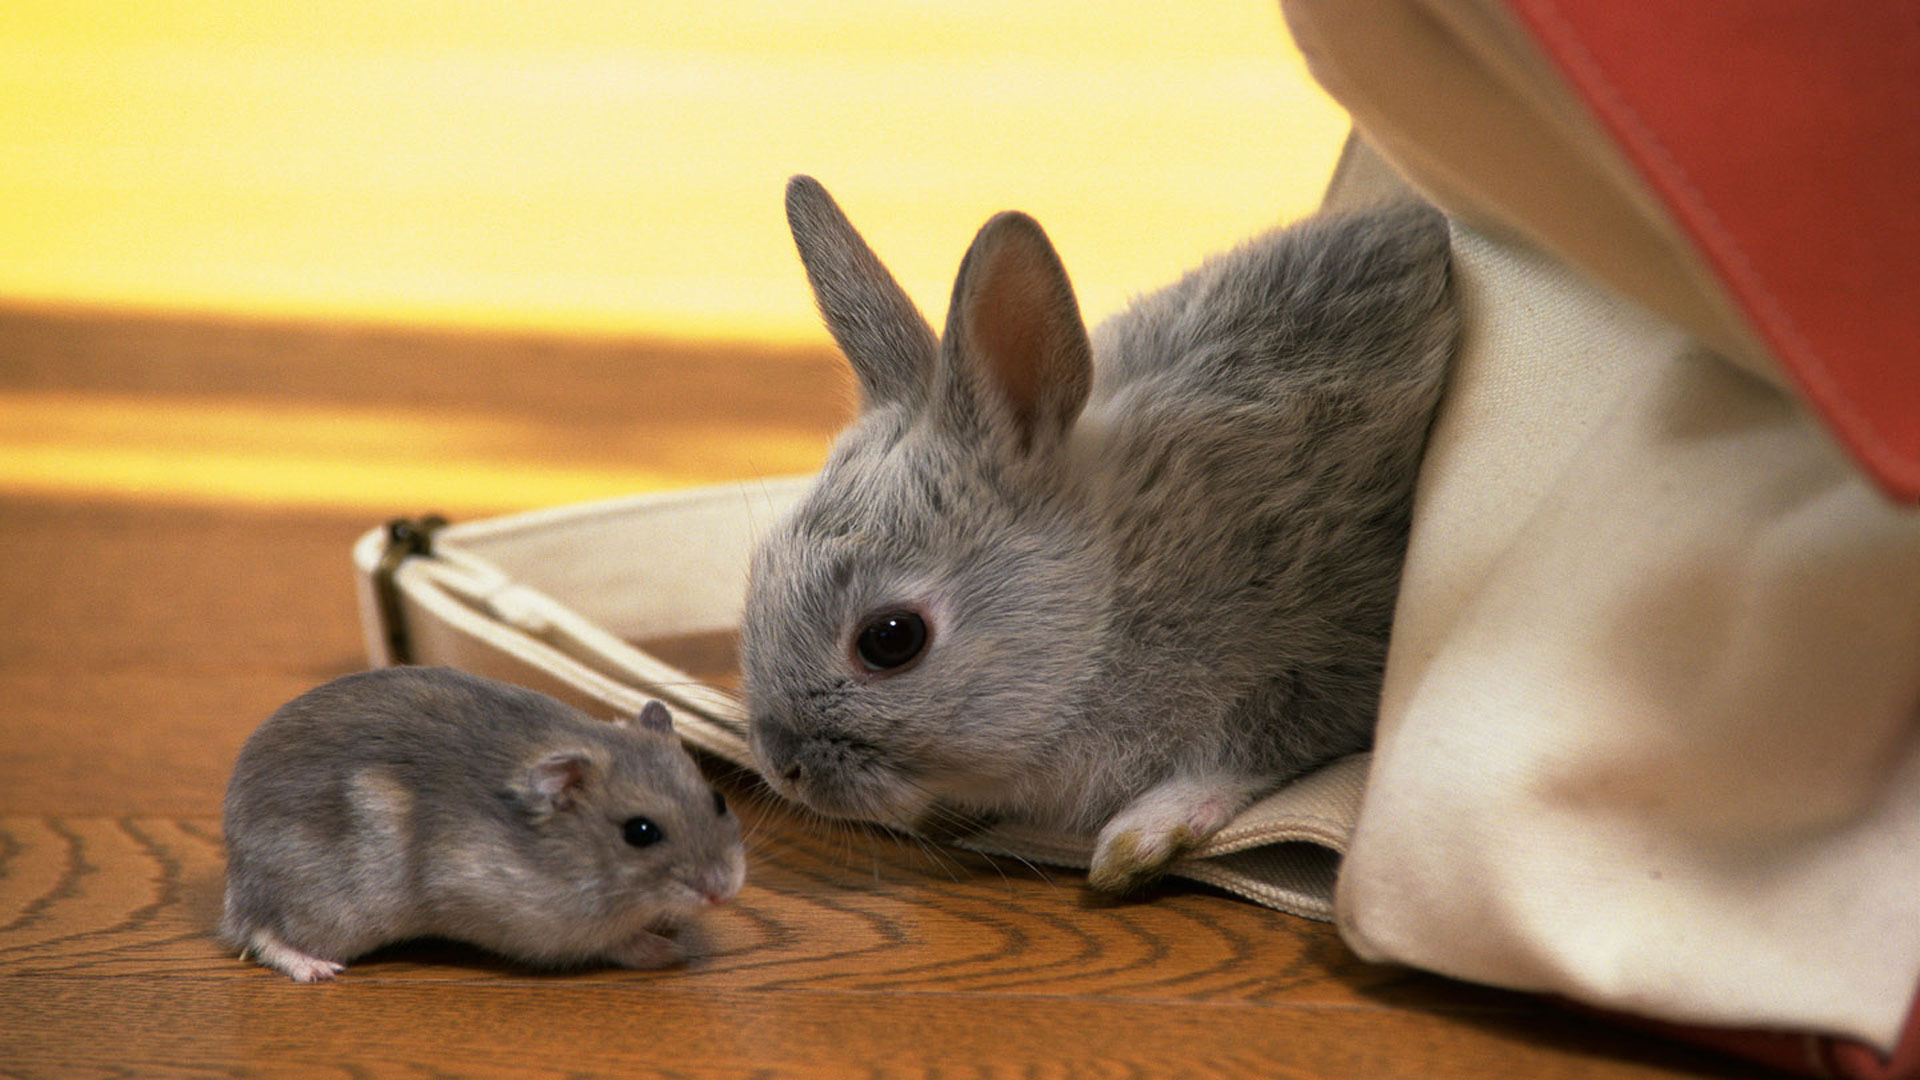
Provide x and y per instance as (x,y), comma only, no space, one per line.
(581,167)
(617,166)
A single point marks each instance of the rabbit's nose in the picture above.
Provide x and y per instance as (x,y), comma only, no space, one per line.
(775,750)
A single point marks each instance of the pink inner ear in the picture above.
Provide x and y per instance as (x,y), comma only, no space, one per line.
(558,778)
(1008,324)
(1021,326)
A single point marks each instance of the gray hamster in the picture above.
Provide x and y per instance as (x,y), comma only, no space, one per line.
(427,802)
(1121,583)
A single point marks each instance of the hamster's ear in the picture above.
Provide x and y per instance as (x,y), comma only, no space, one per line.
(1014,331)
(885,337)
(655,717)
(555,782)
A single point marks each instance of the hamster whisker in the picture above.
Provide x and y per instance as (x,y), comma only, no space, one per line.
(948,866)
(964,824)
(1035,868)
(676,684)
(758,810)
(836,836)
(947,822)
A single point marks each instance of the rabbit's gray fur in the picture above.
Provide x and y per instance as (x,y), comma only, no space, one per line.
(1158,585)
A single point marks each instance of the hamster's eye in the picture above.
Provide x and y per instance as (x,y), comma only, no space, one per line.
(641,832)
(891,641)
(719,803)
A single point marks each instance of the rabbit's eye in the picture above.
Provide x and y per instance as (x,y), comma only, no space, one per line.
(640,832)
(891,641)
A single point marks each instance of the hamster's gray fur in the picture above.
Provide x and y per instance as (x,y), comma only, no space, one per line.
(1154,567)
(415,802)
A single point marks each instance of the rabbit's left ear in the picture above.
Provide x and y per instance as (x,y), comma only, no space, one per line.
(1014,331)
(885,337)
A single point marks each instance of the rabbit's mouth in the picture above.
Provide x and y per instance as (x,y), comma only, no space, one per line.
(842,777)
(871,795)
(895,799)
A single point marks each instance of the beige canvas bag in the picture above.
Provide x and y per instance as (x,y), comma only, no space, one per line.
(1650,735)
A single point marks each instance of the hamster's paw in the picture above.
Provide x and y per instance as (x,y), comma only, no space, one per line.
(299,966)
(646,950)
(1143,840)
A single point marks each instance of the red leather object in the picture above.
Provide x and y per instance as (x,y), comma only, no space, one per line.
(1784,137)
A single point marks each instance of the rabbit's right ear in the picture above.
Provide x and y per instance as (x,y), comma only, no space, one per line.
(1014,332)
(887,340)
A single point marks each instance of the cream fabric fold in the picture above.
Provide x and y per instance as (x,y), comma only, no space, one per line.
(1649,732)
(1650,735)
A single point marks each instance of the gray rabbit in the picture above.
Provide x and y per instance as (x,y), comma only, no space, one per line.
(1121,585)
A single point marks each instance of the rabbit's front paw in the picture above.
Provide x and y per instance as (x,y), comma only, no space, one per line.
(1144,839)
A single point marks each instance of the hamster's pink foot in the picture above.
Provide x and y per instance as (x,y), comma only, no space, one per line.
(646,950)
(268,949)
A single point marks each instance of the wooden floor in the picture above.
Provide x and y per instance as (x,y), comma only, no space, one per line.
(148,627)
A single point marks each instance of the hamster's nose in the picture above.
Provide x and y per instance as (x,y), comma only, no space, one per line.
(722,886)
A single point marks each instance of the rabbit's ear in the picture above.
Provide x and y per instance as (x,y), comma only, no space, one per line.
(1014,330)
(884,336)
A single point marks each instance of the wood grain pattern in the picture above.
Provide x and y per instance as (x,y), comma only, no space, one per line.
(144,641)
(845,955)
